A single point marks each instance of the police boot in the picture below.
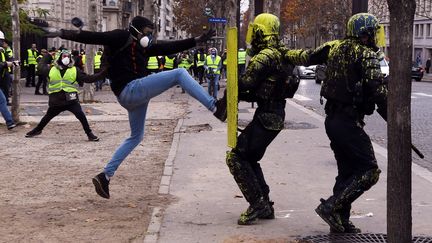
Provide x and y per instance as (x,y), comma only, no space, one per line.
(259,210)
(346,223)
(327,211)
(248,184)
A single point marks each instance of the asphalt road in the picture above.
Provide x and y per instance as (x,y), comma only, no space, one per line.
(421,116)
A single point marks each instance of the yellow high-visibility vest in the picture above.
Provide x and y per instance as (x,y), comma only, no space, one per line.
(169,63)
(241,57)
(153,63)
(67,83)
(31,59)
(97,61)
(214,64)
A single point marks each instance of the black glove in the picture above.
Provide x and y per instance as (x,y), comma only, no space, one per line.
(51,32)
(205,36)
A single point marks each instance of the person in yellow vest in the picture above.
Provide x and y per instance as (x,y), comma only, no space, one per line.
(170,62)
(241,60)
(153,64)
(199,60)
(213,65)
(83,56)
(97,65)
(30,63)
(7,79)
(63,94)
(224,65)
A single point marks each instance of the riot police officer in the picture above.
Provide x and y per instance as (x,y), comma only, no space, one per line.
(352,87)
(264,82)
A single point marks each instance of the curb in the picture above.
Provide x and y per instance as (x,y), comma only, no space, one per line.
(152,233)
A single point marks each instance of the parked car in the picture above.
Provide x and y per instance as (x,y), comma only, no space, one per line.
(303,72)
(385,69)
(417,72)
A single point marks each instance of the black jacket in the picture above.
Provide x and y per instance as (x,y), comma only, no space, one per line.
(131,62)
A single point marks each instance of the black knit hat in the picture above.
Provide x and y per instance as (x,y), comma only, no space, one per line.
(139,23)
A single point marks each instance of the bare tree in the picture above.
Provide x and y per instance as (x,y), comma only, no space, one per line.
(88,92)
(16,86)
(273,7)
(399,218)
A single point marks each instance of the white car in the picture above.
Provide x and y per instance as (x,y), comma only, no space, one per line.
(385,69)
(303,72)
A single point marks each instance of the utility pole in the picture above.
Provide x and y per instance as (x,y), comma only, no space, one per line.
(238,23)
(359,6)
(16,87)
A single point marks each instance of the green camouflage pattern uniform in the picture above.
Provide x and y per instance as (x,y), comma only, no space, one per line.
(352,87)
(266,83)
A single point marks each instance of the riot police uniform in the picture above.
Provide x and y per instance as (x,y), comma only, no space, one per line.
(264,82)
(352,87)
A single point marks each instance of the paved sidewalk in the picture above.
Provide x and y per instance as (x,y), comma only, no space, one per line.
(299,168)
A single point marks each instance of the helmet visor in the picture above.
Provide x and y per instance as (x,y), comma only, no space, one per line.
(249,34)
(380,37)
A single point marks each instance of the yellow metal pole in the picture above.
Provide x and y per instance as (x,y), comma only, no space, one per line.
(232,87)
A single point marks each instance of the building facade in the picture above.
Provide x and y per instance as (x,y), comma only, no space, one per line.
(422,32)
(111,14)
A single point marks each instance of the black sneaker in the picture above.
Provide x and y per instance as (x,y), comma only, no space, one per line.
(11,126)
(260,211)
(92,137)
(271,215)
(333,219)
(221,109)
(101,185)
(33,133)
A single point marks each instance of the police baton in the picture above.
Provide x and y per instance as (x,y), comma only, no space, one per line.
(415,149)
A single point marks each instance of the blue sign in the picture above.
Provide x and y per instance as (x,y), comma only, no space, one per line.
(217,20)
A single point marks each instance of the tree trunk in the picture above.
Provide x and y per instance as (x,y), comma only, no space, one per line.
(399,221)
(88,91)
(273,7)
(16,86)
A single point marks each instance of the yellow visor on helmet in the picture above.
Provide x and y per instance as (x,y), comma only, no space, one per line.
(249,33)
(380,37)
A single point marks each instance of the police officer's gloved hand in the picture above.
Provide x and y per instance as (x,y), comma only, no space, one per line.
(205,36)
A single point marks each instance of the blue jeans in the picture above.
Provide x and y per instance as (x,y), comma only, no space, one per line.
(215,83)
(135,98)
(4,110)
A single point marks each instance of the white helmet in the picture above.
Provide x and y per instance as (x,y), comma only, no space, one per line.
(2,35)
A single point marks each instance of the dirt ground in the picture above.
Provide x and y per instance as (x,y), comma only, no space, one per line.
(46,193)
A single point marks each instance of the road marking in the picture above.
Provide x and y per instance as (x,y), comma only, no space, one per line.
(301,98)
(423,94)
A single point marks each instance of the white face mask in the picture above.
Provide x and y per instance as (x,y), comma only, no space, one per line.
(66,61)
(145,41)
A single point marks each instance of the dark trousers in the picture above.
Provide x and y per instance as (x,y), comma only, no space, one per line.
(42,80)
(31,75)
(53,111)
(200,73)
(353,151)
(251,146)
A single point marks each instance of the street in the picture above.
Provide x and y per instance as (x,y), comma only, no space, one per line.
(421,113)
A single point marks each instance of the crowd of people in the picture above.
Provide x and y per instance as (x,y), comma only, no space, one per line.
(140,68)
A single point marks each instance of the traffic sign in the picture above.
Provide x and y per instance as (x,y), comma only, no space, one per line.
(217,20)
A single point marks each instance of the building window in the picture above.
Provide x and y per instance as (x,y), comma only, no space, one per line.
(428,30)
(416,30)
(421,30)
